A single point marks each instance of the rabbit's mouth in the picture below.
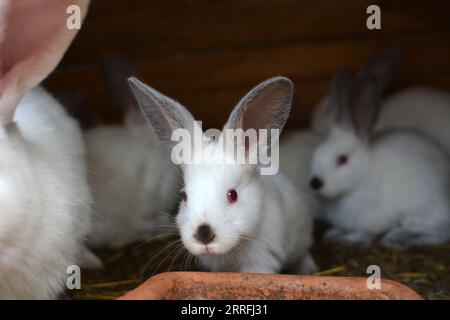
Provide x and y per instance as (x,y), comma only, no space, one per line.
(217,249)
(212,249)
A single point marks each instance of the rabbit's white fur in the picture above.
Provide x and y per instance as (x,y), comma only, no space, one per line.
(296,152)
(395,182)
(321,119)
(45,198)
(133,182)
(423,109)
(43,184)
(398,185)
(269,227)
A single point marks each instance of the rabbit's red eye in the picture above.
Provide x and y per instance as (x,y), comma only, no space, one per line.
(183,196)
(232,196)
(341,160)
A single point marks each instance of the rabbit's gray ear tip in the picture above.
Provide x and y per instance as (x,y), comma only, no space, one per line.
(135,83)
(283,81)
(133,80)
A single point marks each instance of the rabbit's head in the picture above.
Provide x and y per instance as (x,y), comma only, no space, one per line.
(223,198)
(344,158)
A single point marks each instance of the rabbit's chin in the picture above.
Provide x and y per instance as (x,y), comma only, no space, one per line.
(212,249)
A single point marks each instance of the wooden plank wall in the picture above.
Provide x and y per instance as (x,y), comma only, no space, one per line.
(208,53)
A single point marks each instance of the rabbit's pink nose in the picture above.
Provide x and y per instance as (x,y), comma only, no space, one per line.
(204,234)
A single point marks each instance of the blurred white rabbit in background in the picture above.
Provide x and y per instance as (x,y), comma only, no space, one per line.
(393,183)
(133,181)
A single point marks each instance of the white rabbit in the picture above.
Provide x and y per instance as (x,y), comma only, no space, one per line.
(233,218)
(423,109)
(296,152)
(44,195)
(133,182)
(393,183)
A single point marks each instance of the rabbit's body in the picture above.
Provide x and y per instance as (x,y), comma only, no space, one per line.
(134,185)
(45,199)
(44,194)
(233,217)
(423,109)
(394,182)
(404,189)
(296,153)
(295,162)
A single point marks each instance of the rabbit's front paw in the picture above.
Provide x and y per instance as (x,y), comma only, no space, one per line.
(259,268)
(349,237)
(307,266)
(401,238)
(90,260)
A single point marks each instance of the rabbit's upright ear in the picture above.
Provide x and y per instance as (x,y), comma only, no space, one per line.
(364,100)
(163,113)
(116,69)
(34,34)
(266,106)
(383,65)
(340,86)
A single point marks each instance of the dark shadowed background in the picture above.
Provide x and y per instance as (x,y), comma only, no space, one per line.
(208,53)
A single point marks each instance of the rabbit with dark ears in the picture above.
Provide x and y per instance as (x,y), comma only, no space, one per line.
(382,65)
(298,146)
(44,195)
(134,184)
(393,183)
(231,217)
(425,110)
